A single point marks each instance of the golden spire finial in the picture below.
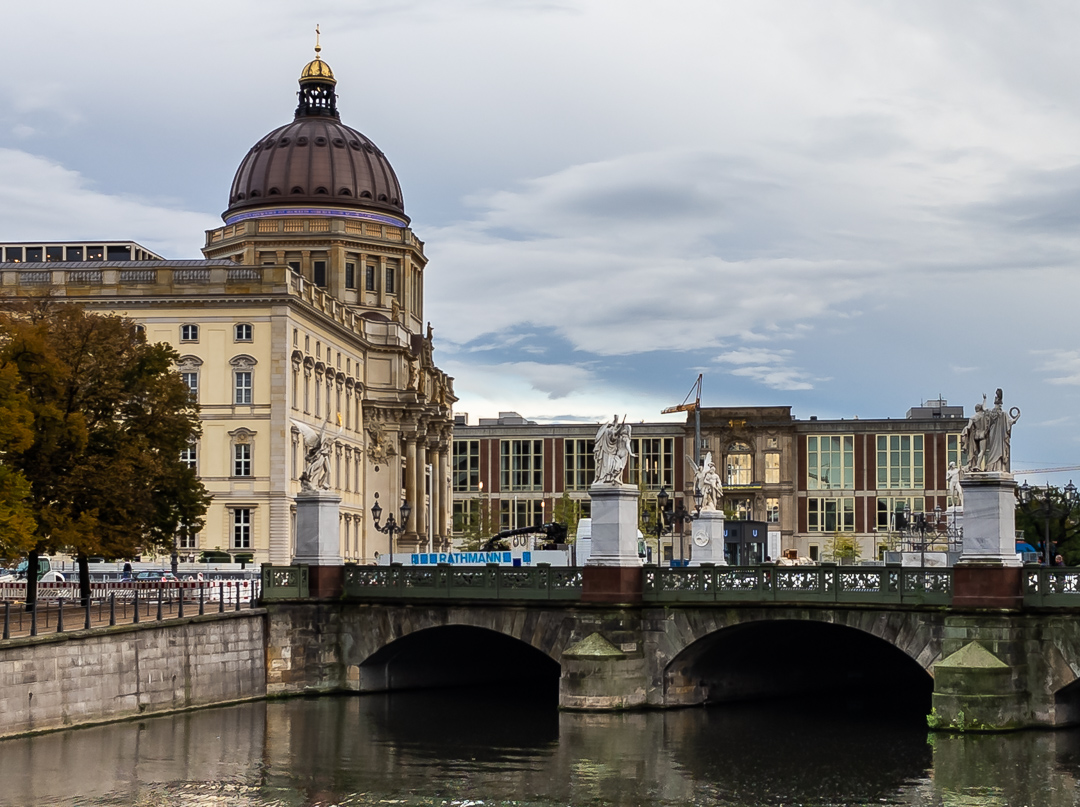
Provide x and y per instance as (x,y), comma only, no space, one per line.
(318,47)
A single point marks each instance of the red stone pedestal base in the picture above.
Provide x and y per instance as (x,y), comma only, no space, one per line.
(978,585)
(325,582)
(611,584)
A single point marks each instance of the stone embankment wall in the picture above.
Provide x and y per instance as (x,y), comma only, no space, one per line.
(82,677)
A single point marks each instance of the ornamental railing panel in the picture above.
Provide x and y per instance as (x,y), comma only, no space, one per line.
(284,582)
(489,582)
(1053,587)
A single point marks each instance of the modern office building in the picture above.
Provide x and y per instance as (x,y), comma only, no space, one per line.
(308,306)
(807,480)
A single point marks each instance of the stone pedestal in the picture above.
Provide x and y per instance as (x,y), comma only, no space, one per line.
(708,539)
(613,571)
(318,541)
(988,574)
(989,518)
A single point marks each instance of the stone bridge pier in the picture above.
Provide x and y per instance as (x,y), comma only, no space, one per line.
(986,669)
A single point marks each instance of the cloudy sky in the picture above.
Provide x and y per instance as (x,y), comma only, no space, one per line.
(847,207)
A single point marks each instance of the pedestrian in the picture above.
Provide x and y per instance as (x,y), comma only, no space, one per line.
(126,574)
(1058,560)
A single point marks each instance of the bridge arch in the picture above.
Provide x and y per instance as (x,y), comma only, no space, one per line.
(407,647)
(740,654)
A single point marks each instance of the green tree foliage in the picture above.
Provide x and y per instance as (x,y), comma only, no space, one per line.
(1064,522)
(567,511)
(17,523)
(475,526)
(110,416)
(843,548)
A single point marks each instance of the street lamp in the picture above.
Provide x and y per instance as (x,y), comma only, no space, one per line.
(391,525)
(1046,507)
(682,515)
(661,519)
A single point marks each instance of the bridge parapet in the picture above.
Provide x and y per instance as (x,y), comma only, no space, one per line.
(873,585)
(490,582)
(1057,587)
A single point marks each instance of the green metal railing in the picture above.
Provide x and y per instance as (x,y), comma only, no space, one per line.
(826,583)
(284,582)
(1053,587)
(490,582)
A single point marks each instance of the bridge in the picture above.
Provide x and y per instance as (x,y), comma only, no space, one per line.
(692,636)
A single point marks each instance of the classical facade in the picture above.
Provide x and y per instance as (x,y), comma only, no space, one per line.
(308,306)
(807,480)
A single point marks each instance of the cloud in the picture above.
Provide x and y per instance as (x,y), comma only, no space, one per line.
(40,199)
(767,367)
(1063,366)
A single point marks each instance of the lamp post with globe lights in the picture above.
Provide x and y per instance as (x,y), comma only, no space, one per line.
(392,526)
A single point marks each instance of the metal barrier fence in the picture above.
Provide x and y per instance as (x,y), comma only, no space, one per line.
(826,583)
(247,589)
(62,609)
(1052,587)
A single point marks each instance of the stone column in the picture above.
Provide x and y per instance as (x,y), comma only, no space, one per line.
(443,474)
(613,571)
(988,574)
(410,483)
(420,505)
(436,497)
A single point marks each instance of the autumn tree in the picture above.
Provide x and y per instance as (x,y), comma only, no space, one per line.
(17,524)
(110,415)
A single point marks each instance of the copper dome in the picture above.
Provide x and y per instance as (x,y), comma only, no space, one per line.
(316,161)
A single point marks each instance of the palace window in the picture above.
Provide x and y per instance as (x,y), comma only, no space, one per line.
(318,271)
(350,275)
(189,333)
(655,461)
(772,469)
(742,508)
(830,462)
(954,453)
(891,511)
(466,465)
(188,540)
(241,528)
(242,386)
(520,513)
(242,459)
(900,461)
(391,274)
(189,374)
(772,511)
(740,465)
(243,332)
(579,464)
(369,277)
(830,515)
(521,465)
(189,456)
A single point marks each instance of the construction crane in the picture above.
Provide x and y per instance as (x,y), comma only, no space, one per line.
(1046,470)
(694,407)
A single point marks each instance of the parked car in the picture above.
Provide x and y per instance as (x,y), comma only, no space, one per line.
(149,577)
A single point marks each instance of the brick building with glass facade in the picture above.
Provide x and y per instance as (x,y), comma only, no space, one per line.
(807,480)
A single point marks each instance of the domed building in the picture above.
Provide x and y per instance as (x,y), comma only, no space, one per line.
(305,317)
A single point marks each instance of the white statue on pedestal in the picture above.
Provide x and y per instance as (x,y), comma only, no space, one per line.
(987,437)
(611,450)
(707,480)
(952,480)
(999,436)
(317,450)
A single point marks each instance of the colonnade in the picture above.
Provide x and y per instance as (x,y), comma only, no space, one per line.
(424,446)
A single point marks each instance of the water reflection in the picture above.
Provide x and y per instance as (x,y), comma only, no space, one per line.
(439,747)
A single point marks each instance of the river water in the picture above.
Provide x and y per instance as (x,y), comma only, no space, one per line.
(464,748)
